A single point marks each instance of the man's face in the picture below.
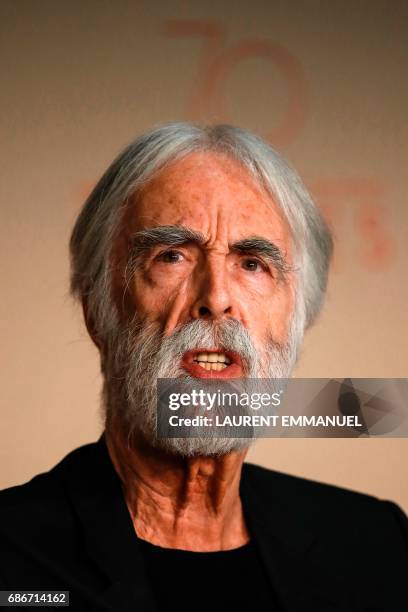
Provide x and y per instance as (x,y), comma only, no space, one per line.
(219,277)
(200,274)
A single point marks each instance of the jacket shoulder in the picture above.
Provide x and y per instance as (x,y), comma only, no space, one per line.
(325,506)
(42,498)
(268,480)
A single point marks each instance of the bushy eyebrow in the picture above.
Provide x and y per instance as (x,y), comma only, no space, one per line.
(262,247)
(166,235)
(176,235)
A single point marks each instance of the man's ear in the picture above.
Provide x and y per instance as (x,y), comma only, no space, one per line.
(90,324)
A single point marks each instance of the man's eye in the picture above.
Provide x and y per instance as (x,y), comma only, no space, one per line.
(252,265)
(170,256)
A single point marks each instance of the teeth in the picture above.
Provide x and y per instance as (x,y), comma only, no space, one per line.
(213,358)
(202,357)
(218,366)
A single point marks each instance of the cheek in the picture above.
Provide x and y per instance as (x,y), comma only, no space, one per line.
(156,294)
(281,314)
(267,313)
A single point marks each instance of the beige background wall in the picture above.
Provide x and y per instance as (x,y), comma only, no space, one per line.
(324,80)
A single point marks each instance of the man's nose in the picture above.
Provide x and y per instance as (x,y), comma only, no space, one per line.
(213,296)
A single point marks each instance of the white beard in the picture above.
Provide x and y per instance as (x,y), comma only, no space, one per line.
(140,355)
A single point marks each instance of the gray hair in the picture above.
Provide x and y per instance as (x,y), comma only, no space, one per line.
(100,218)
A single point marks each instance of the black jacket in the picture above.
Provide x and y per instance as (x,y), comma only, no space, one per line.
(324,548)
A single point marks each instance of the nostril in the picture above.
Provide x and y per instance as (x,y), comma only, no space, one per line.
(204,311)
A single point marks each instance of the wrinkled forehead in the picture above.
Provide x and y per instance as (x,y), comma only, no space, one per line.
(210,193)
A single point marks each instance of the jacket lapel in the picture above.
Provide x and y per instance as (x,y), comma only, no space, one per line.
(96,494)
(284,543)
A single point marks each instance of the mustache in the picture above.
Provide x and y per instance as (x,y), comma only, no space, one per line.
(147,342)
(229,335)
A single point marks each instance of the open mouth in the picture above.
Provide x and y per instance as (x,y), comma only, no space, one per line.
(212,363)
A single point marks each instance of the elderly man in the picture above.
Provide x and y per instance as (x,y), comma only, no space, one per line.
(199,254)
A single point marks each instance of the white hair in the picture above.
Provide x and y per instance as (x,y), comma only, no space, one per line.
(100,219)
